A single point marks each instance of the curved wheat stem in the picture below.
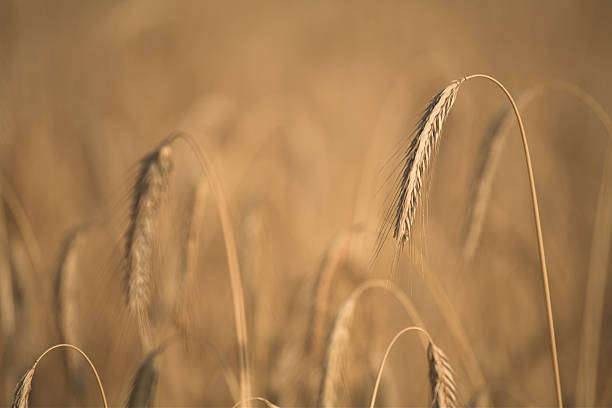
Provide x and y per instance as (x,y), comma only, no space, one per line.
(415,165)
(602,230)
(260,399)
(339,337)
(538,226)
(441,376)
(22,392)
(154,172)
(232,259)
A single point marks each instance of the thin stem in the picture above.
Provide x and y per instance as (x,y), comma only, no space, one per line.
(388,350)
(232,261)
(536,214)
(93,368)
(261,399)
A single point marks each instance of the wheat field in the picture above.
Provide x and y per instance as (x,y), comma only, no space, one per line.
(300,204)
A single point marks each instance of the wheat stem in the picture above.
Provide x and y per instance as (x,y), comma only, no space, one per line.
(388,350)
(536,215)
(232,261)
(23,389)
(260,399)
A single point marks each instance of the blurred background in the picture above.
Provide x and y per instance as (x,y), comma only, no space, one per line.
(301,107)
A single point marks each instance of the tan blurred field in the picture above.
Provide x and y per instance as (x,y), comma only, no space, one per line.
(302,108)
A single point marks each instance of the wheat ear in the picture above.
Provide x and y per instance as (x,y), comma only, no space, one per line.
(339,338)
(24,386)
(145,382)
(417,160)
(149,191)
(419,153)
(192,250)
(441,378)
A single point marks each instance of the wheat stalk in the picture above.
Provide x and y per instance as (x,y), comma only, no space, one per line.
(415,163)
(602,230)
(149,190)
(427,342)
(24,386)
(232,259)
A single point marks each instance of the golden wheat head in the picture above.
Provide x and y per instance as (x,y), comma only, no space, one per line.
(22,391)
(441,378)
(417,160)
(338,342)
(149,191)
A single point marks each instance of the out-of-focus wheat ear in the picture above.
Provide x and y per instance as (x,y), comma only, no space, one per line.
(24,225)
(195,229)
(338,342)
(7,308)
(24,386)
(335,254)
(491,153)
(192,250)
(441,379)
(149,191)
(145,382)
(67,304)
(416,162)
